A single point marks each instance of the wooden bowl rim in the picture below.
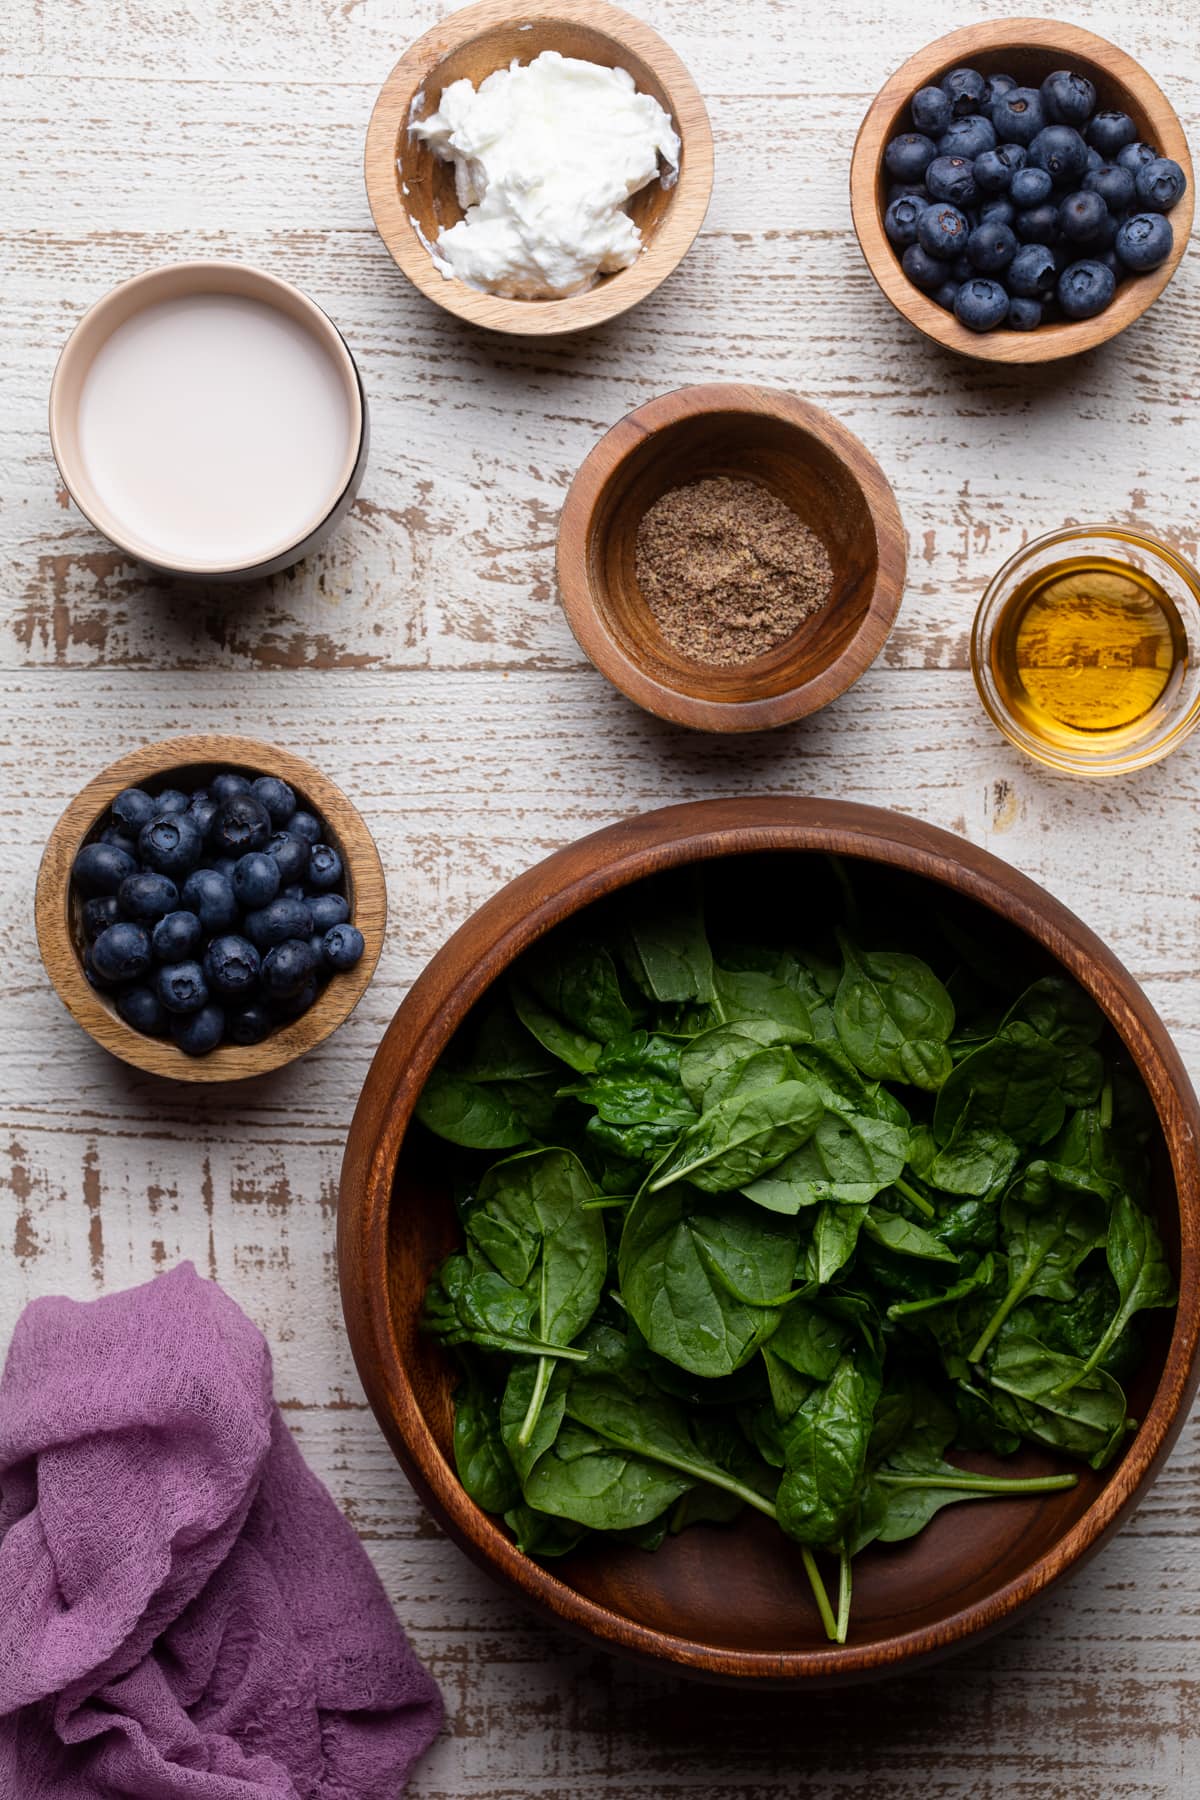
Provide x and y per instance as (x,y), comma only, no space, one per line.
(663,251)
(1048,343)
(574,562)
(229,1062)
(526,909)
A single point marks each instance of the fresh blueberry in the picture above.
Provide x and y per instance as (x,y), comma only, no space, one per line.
(1024,315)
(996,86)
(968,137)
(241,824)
(177,937)
(286,968)
(147,897)
(896,190)
(930,110)
(276,796)
(181,987)
(132,809)
(962,268)
(171,844)
(1037,225)
(991,248)
(941,230)
(209,894)
(98,915)
(325,865)
(231,966)
(1094,158)
(199,1033)
(1030,187)
(994,169)
(281,920)
(900,224)
(316,942)
(101,868)
(906,159)
(298,1003)
(1135,156)
(944,296)
(343,945)
(1160,184)
(248,1024)
(224,866)
(227,786)
(204,808)
(140,1008)
(92,974)
(291,854)
(1082,217)
(981,304)
(256,878)
(1061,151)
(1114,185)
(952,178)
(1000,211)
(1018,115)
(120,840)
(1032,273)
(966,91)
(171,800)
(1109,132)
(295,890)
(307,826)
(121,953)
(923,270)
(1144,241)
(1111,260)
(1085,289)
(1069,99)
(328,910)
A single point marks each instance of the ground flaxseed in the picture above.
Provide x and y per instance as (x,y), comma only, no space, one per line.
(728,570)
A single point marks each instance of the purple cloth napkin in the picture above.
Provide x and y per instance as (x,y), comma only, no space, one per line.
(184,1613)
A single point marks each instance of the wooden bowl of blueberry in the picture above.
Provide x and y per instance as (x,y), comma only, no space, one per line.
(1022,190)
(210,908)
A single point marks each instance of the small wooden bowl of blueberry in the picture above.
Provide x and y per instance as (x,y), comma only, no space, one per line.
(1021,190)
(210,908)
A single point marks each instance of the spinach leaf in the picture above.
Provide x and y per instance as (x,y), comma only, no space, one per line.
(974,1161)
(479,1454)
(665,949)
(469,1303)
(835,1235)
(764,996)
(1138,1265)
(899,1235)
(979,1277)
(810,1340)
(640,1106)
(578,1049)
(741,1137)
(893,1017)
(849,1158)
(470,1114)
(1012,1085)
(657,1429)
(497,1047)
(707,1059)
(825,1453)
(1048,1397)
(539,1534)
(1045,1245)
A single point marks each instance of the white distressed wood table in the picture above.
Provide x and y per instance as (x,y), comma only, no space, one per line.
(422,660)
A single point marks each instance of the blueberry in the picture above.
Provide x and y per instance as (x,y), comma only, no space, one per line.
(256,878)
(91,974)
(276,796)
(281,920)
(997,212)
(944,296)
(941,230)
(231,966)
(966,91)
(1111,260)
(307,826)
(1085,289)
(181,987)
(98,915)
(140,1008)
(994,169)
(1114,185)
(900,224)
(343,946)
(962,269)
(906,159)
(177,937)
(1094,158)
(930,109)
(286,968)
(316,942)
(203,808)
(325,865)
(224,866)
(227,786)
(1159,184)
(1109,132)
(981,304)
(1134,156)
(1061,151)
(1082,217)
(1144,241)
(968,137)
(1032,273)
(952,178)
(328,910)
(991,248)
(200,1032)
(132,809)
(241,824)
(209,894)
(1069,99)
(147,897)
(248,1024)
(1018,115)
(122,952)
(171,844)
(1024,315)
(291,855)
(896,190)
(996,86)
(171,800)
(1030,187)
(1037,225)
(297,1003)
(101,868)
(120,840)
(295,890)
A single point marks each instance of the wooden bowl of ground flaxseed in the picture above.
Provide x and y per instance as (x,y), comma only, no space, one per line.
(731,557)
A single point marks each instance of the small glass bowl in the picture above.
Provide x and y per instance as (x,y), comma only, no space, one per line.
(1176,714)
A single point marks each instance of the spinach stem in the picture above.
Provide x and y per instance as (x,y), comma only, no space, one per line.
(711,1473)
(609,1200)
(1014,1294)
(983,1484)
(1106,1105)
(541,1382)
(911,1195)
(819,1595)
(518,1346)
(844,1581)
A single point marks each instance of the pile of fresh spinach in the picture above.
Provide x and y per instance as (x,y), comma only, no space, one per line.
(776,1226)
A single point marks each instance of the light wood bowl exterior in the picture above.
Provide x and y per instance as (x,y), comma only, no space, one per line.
(474,43)
(803,455)
(178,762)
(731,1604)
(1029,49)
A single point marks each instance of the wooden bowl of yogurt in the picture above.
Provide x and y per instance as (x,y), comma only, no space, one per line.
(572,185)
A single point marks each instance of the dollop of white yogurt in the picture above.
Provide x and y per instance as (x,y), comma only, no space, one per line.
(546,154)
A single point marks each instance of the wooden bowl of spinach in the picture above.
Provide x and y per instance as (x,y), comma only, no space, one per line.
(768,1238)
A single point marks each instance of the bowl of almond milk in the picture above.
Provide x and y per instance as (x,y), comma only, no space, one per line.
(209,419)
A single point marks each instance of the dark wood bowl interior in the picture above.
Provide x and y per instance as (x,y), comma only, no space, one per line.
(734,1603)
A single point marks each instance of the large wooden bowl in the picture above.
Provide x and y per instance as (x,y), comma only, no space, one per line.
(812,463)
(1029,49)
(411,191)
(191,761)
(733,1604)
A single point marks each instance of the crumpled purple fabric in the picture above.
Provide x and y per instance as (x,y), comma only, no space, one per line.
(184,1613)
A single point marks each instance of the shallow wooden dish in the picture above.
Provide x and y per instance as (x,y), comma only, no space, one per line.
(732,1604)
(1028,49)
(174,762)
(805,457)
(411,192)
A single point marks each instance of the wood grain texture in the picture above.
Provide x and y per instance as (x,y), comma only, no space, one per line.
(422,662)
